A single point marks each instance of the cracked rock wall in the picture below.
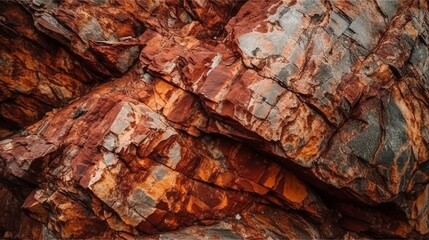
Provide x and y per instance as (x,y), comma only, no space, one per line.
(229,119)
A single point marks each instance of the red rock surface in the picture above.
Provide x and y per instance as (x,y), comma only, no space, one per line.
(214,119)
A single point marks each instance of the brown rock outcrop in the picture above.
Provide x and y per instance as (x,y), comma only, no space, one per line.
(217,119)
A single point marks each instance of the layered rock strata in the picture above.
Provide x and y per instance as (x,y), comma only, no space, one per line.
(214,119)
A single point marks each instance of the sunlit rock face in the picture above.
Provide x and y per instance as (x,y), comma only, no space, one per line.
(191,119)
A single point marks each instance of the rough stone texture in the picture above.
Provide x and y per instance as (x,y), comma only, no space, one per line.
(216,119)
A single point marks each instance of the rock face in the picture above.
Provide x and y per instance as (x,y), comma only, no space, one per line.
(262,119)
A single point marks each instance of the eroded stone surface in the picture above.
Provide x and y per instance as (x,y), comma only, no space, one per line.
(266,119)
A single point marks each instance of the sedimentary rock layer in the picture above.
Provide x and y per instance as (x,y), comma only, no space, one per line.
(216,119)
